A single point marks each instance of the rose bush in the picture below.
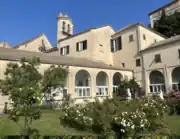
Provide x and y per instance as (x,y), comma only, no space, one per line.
(127,118)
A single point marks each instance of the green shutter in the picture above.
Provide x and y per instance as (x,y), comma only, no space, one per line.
(77,47)
(119,43)
(85,45)
(112,46)
(68,49)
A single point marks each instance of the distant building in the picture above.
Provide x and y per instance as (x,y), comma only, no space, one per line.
(5,45)
(169,9)
(37,44)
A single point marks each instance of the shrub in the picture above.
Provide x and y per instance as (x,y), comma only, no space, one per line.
(173,102)
(128,118)
(155,109)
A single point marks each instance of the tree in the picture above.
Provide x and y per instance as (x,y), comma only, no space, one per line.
(169,25)
(26,88)
(54,77)
(132,85)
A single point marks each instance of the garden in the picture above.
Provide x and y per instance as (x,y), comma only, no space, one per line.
(141,116)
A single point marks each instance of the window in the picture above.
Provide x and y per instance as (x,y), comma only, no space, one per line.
(64,50)
(131,38)
(80,46)
(179,53)
(63,26)
(144,37)
(69,29)
(116,44)
(157,58)
(123,65)
(138,62)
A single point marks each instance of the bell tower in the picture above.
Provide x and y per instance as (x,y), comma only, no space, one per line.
(64,26)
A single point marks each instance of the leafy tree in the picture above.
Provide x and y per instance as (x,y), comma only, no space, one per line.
(25,87)
(54,77)
(169,25)
(132,85)
(21,84)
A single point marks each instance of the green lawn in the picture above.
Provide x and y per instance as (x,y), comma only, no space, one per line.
(173,124)
(49,124)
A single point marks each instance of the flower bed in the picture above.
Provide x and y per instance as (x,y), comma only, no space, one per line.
(113,115)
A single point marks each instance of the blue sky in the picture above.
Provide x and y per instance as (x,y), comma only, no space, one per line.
(21,20)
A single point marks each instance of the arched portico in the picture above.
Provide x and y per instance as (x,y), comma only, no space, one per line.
(117,77)
(102,84)
(157,83)
(82,84)
(175,78)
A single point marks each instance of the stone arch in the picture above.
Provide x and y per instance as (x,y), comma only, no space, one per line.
(63,25)
(82,84)
(82,78)
(117,77)
(157,82)
(102,83)
(175,76)
(68,28)
(102,79)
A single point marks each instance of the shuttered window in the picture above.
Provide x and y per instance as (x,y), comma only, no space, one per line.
(64,50)
(116,44)
(80,46)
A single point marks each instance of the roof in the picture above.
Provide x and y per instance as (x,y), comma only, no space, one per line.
(162,43)
(167,5)
(28,41)
(51,50)
(126,27)
(80,33)
(16,55)
(139,24)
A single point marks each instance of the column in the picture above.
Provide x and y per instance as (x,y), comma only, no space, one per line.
(93,85)
(110,85)
(166,79)
(71,84)
(146,84)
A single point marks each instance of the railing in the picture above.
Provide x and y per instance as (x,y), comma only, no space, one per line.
(157,88)
(175,86)
(57,93)
(82,91)
(101,90)
(115,88)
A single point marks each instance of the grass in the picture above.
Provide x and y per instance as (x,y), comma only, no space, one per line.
(173,123)
(49,124)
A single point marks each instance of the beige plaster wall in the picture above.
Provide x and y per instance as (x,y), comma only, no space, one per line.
(129,49)
(150,37)
(98,45)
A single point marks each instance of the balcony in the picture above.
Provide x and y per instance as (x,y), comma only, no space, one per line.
(157,88)
(101,91)
(82,91)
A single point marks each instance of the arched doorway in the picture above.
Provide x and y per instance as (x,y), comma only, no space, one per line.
(117,77)
(82,83)
(157,83)
(101,84)
(175,78)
